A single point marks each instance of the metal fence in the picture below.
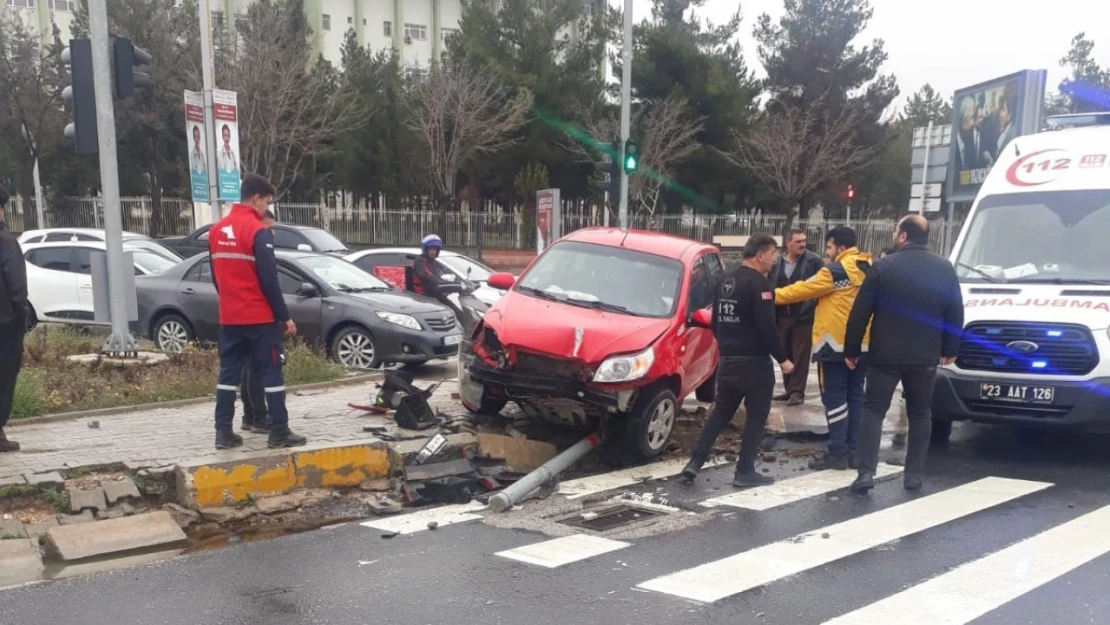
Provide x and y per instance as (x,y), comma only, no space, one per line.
(493,227)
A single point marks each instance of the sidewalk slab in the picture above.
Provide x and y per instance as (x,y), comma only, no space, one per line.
(155,531)
(20,561)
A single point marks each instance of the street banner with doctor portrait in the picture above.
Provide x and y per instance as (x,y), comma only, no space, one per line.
(198,145)
(226,113)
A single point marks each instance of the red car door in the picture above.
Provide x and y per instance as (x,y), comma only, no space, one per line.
(700,346)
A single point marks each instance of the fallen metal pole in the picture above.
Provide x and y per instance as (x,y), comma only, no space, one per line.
(507,498)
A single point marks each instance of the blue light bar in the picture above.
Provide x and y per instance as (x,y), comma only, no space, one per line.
(1039,364)
(1054,333)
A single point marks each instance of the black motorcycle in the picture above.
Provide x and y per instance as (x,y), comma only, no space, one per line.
(468,309)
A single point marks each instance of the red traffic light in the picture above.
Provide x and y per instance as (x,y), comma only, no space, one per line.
(851,192)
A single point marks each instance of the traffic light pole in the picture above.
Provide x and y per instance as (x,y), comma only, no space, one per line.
(208,78)
(626,110)
(120,341)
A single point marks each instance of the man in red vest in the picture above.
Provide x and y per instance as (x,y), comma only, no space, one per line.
(252,312)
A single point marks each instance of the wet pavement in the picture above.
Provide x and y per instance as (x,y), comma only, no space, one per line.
(989,541)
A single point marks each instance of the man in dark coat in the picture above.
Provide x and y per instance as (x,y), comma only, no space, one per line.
(795,321)
(13,320)
(913,302)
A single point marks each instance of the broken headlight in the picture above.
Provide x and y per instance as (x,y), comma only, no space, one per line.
(625,368)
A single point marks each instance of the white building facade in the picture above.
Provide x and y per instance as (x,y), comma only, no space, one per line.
(416,29)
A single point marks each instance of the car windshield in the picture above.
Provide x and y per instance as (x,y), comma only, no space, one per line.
(462,265)
(150,262)
(342,275)
(1054,237)
(606,278)
(323,241)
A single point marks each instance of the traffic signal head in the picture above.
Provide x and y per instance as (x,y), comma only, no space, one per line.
(611,170)
(631,157)
(81,96)
(131,65)
(851,192)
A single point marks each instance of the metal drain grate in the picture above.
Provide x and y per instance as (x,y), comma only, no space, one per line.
(612,518)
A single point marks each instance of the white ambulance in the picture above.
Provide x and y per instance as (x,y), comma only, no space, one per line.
(1034,265)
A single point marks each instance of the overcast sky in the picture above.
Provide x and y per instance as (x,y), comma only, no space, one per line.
(952,43)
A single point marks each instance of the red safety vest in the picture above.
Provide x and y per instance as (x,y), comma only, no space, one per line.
(231,245)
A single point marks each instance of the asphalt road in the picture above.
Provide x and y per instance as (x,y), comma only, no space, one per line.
(990,541)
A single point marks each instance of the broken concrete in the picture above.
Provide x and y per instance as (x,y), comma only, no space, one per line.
(34,530)
(520,454)
(87,499)
(280,503)
(226,515)
(184,517)
(20,560)
(14,480)
(76,519)
(156,531)
(121,489)
(376,485)
(12,528)
(45,480)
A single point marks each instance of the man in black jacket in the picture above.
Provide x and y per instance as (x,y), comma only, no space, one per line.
(795,321)
(913,301)
(13,320)
(744,323)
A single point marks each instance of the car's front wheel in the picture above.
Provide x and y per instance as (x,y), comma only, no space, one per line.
(354,348)
(645,432)
(172,333)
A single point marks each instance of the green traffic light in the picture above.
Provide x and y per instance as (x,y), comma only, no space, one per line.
(630,157)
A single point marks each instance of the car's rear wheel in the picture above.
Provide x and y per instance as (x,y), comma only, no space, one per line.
(354,348)
(707,392)
(32,317)
(172,333)
(645,432)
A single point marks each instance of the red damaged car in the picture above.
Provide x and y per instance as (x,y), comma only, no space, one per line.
(607,327)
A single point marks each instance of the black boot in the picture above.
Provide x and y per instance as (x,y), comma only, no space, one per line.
(260,427)
(285,438)
(863,484)
(830,463)
(228,440)
(747,479)
(912,483)
(690,471)
(6,445)
(248,425)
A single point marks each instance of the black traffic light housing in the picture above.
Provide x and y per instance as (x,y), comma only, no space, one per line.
(631,158)
(612,170)
(82,96)
(131,66)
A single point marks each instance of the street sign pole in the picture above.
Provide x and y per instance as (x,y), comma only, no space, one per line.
(208,78)
(626,107)
(120,341)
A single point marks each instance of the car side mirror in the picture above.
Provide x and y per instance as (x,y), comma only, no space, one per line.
(503,281)
(308,290)
(702,318)
(304,247)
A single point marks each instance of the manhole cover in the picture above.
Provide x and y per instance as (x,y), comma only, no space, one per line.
(611,518)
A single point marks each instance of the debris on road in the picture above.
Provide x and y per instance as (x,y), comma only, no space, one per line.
(548,472)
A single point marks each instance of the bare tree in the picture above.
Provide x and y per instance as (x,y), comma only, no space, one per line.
(291,106)
(796,150)
(664,135)
(460,112)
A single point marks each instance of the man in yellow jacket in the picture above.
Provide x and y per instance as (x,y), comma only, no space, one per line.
(835,287)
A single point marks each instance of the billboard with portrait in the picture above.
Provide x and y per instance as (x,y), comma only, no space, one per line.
(985,119)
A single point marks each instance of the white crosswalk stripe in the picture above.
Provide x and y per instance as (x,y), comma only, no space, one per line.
(559,551)
(974,589)
(751,569)
(796,489)
(418,521)
(582,487)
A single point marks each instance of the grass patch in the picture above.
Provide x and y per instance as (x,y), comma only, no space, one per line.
(50,384)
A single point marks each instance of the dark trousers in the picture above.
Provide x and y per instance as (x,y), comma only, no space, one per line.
(11,361)
(262,345)
(842,396)
(917,384)
(751,382)
(253,395)
(797,338)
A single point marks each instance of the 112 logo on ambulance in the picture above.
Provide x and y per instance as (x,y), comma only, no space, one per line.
(1045,166)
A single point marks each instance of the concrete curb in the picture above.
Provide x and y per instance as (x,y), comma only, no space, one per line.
(181,403)
(207,484)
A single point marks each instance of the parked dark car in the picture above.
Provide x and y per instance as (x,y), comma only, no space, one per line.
(286,237)
(361,321)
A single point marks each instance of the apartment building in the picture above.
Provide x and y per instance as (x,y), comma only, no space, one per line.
(416,29)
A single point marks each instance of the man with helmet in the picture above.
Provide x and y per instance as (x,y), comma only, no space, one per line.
(427,272)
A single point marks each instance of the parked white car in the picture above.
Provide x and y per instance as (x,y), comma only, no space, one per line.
(59,277)
(464,267)
(58,235)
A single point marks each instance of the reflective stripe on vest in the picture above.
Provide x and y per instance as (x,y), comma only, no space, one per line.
(231,256)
